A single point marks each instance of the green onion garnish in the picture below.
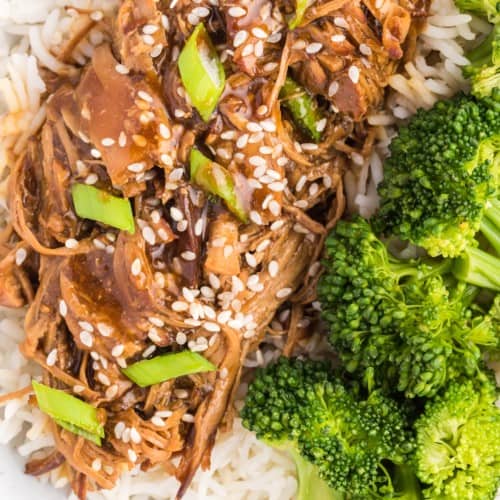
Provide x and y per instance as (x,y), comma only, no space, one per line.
(96,204)
(69,412)
(300,10)
(167,366)
(216,180)
(303,107)
(202,72)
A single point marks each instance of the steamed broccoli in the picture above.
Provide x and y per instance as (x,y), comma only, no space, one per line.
(356,445)
(439,196)
(484,8)
(457,454)
(405,324)
(484,68)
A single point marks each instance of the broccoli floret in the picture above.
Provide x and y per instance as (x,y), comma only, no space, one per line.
(403,324)
(484,68)
(489,9)
(457,454)
(354,443)
(436,196)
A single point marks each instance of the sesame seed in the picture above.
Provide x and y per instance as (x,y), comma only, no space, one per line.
(333,89)
(71,243)
(341,22)
(365,49)
(95,153)
(268,125)
(148,39)
(164,131)
(150,29)
(211,327)
(123,70)
(126,435)
(179,306)
(107,141)
(271,66)
(136,167)
(228,251)
(91,179)
(157,50)
(251,260)
(154,336)
(353,73)
(145,96)
(300,204)
(136,267)
(104,330)
(117,351)
(284,292)
(259,33)
(132,455)
(97,15)
(276,186)
(337,38)
(181,338)
(255,217)
(237,12)
(214,281)
(149,235)
(321,125)
(21,255)
(156,321)
(188,294)
(121,362)
(63,308)
(188,255)
(274,208)
(187,417)
(118,430)
(242,141)
(135,436)
(240,38)
(97,464)
(176,214)
(254,127)
(157,421)
(111,391)
(314,48)
(277,225)
(85,325)
(201,11)
(257,161)
(78,389)
(86,338)
(150,350)
(247,50)
(52,357)
(103,378)
(273,268)
(259,49)
(182,225)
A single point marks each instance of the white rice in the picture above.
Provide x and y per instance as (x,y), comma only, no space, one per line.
(242,467)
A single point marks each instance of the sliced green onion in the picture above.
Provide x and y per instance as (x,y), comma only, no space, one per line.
(96,204)
(216,180)
(300,10)
(303,107)
(202,72)
(168,366)
(94,438)
(69,412)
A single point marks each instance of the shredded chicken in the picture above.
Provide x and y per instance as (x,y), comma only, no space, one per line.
(193,275)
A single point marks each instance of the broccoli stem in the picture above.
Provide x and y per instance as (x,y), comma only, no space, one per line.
(490,224)
(406,483)
(311,486)
(425,269)
(478,268)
